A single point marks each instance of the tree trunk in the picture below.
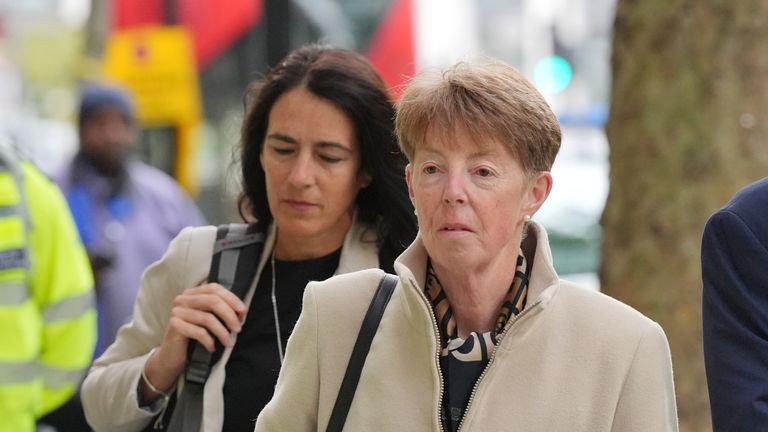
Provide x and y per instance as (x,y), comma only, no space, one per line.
(688,127)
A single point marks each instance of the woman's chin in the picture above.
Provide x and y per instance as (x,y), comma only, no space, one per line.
(454,255)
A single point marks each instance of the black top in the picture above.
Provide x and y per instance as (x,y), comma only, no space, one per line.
(252,369)
(459,378)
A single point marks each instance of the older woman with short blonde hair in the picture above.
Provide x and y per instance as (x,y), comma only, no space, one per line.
(480,333)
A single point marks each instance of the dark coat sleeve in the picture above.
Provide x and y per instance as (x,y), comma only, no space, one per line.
(735,315)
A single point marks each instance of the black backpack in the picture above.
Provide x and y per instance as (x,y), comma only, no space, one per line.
(236,252)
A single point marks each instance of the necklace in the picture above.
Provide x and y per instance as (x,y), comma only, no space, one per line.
(274,309)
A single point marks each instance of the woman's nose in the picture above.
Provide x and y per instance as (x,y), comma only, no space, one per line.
(302,171)
(455,191)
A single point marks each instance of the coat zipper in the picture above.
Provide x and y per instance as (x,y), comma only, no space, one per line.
(490,360)
(437,356)
(159,422)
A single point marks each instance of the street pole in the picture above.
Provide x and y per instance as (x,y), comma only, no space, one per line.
(277,15)
(170,12)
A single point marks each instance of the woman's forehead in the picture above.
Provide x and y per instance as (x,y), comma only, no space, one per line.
(461,137)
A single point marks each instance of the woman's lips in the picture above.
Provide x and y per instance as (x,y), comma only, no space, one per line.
(299,204)
(455,228)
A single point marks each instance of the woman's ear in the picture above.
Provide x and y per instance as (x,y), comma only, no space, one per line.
(539,188)
(409,180)
(364,179)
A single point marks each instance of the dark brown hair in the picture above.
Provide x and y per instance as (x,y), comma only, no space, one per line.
(350,82)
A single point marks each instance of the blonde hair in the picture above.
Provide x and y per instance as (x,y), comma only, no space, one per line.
(490,100)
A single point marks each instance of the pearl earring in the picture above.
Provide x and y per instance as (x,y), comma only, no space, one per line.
(526,226)
(415,213)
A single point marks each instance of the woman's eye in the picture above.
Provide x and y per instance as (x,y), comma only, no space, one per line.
(430,169)
(484,172)
(330,159)
(282,150)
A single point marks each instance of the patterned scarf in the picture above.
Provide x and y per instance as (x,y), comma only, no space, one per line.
(476,346)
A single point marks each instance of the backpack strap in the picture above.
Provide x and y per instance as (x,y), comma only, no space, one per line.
(359,353)
(236,252)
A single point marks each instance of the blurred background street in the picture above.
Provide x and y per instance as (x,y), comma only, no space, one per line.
(190,102)
(662,103)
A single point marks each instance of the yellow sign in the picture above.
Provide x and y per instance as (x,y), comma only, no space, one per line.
(157,64)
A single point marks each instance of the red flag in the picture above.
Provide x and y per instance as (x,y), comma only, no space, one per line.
(392,46)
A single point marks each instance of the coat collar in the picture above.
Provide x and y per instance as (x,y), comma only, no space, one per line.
(359,250)
(411,266)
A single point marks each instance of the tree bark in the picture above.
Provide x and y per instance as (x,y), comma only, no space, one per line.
(688,127)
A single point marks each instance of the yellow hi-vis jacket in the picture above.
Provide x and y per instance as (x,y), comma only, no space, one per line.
(47,314)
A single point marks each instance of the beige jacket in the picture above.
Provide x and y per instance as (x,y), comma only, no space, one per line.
(573,360)
(109,392)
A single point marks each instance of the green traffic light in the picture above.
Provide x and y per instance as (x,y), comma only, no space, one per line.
(552,74)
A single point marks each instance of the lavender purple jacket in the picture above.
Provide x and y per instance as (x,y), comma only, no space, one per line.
(129,232)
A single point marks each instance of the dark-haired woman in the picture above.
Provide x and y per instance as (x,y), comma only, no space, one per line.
(322,170)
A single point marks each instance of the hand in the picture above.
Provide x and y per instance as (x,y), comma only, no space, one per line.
(205,313)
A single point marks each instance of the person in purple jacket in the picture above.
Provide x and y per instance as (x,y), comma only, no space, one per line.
(734,264)
(126,211)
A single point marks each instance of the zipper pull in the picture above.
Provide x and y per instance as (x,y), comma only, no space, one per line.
(159,423)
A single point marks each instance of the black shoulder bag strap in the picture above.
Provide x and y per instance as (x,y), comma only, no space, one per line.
(360,352)
(235,257)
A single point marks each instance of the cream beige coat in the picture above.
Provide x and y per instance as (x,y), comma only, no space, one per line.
(109,392)
(573,360)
